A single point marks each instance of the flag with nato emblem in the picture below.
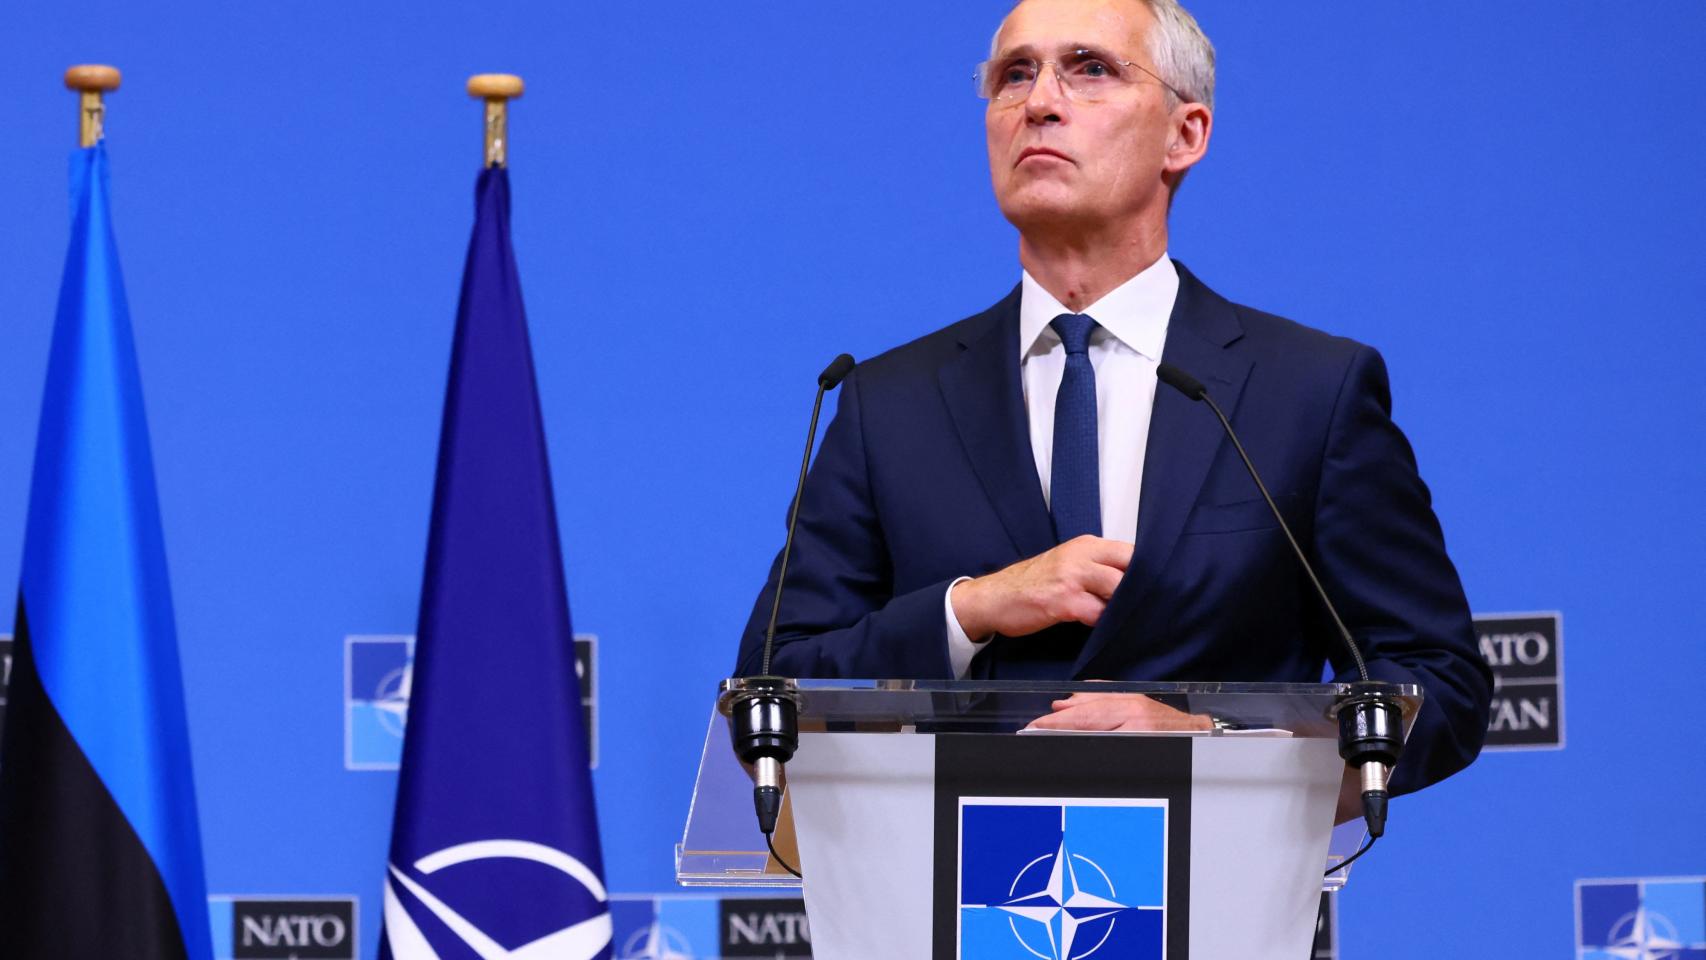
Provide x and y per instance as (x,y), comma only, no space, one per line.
(100,852)
(494,849)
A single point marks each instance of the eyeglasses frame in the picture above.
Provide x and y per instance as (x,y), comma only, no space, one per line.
(1066,88)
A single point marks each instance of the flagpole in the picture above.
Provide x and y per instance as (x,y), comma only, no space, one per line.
(100,848)
(91,80)
(497,89)
(494,615)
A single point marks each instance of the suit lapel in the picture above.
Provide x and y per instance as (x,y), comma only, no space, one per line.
(983,394)
(1183,440)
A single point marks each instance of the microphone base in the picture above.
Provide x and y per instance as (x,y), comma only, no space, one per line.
(1371,725)
(1371,738)
(766,722)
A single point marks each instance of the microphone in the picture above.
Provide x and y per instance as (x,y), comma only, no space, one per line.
(833,374)
(765,714)
(1370,718)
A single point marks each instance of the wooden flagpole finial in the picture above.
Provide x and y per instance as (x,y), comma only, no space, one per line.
(91,80)
(497,89)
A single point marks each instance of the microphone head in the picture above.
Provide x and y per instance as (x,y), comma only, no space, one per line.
(833,374)
(1181,381)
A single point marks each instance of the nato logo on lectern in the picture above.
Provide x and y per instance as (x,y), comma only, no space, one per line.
(377,681)
(1096,864)
(1062,878)
(1525,651)
(1655,918)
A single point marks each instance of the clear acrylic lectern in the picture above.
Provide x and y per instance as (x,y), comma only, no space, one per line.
(928,819)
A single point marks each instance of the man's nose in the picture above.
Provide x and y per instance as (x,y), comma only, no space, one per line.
(1046,102)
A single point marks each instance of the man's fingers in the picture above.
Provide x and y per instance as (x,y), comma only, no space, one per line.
(1070,583)
(1102,580)
(1117,711)
(1113,553)
(1078,718)
(1137,700)
(1087,609)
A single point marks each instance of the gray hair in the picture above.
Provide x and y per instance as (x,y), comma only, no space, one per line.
(1184,58)
(1183,55)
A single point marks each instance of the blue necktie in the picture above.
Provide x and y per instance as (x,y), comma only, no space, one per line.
(1075,493)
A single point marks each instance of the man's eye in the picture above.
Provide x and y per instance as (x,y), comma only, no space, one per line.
(1016,74)
(1095,69)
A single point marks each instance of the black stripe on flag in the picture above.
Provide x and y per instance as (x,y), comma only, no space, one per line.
(76,882)
(1063,768)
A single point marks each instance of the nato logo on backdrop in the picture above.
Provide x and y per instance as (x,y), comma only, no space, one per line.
(685,927)
(1526,653)
(377,681)
(1062,879)
(1656,918)
(376,700)
(283,928)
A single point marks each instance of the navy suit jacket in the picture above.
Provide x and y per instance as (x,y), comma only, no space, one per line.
(926,474)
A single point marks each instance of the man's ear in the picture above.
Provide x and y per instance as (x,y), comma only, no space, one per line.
(1192,125)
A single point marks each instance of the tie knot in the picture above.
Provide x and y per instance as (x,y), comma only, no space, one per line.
(1074,330)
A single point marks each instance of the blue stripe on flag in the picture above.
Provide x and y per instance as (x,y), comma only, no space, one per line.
(94,572)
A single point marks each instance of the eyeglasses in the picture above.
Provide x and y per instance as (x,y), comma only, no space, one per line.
(1085,75)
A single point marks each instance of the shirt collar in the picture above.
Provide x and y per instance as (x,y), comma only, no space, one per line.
(1135,312)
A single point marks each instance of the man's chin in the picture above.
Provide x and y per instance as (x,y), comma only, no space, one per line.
(1039,215)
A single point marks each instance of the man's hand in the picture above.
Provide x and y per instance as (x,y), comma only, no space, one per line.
(1070,583)
(1118,711)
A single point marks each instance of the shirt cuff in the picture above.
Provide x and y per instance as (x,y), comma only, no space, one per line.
(961,648)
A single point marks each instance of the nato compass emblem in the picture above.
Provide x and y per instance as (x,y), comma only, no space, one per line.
(379,677)
(1062,879)
(1647,919)
(495,878)
(656,942)
(665,927)
(378,671)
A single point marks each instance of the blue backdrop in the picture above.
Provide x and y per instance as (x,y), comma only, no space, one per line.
(710,202)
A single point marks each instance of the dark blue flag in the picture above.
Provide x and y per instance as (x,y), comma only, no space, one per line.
(494,851)
(100,854)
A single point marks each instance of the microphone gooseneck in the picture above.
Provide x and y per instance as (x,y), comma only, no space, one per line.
(765,714)
(1193,388)
(1370,717)
(828,380)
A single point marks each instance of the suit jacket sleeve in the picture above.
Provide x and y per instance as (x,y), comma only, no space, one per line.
(839,616)
(1381,555)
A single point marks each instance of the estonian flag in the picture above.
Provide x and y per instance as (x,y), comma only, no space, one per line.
(100,856)
(494,850)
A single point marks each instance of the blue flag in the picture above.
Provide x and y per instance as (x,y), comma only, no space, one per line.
(100,854)
(494,850)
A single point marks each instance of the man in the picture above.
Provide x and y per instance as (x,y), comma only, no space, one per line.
(1015,496)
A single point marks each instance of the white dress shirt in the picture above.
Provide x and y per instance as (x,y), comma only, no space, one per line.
(1125,347)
